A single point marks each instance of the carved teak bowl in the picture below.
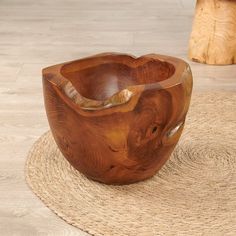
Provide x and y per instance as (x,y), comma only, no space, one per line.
(117,118)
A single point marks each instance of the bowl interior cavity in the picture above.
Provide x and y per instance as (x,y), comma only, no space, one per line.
(101,81)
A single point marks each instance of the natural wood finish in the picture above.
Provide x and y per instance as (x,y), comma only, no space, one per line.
(213,38)
(117,118)
(31,38)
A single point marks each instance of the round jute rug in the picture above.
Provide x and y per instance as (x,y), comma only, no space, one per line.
(193,194)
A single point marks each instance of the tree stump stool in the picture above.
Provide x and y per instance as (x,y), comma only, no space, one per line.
(213,38)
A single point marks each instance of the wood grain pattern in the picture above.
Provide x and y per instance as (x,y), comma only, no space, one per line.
(213,38)
(31,38)
(117,118)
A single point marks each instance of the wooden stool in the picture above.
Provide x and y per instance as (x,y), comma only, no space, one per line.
(213,38)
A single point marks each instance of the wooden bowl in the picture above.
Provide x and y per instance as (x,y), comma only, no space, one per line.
(117,118)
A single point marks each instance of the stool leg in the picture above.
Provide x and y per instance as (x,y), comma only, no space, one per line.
(213,38)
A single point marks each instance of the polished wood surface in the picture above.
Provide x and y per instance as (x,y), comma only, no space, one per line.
(117,118)
(213,38)
(31,38)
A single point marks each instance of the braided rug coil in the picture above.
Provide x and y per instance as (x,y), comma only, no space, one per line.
(193,194)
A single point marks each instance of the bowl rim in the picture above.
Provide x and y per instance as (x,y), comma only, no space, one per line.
(65,89)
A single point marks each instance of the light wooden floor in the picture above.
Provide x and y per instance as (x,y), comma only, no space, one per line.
(35,34)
